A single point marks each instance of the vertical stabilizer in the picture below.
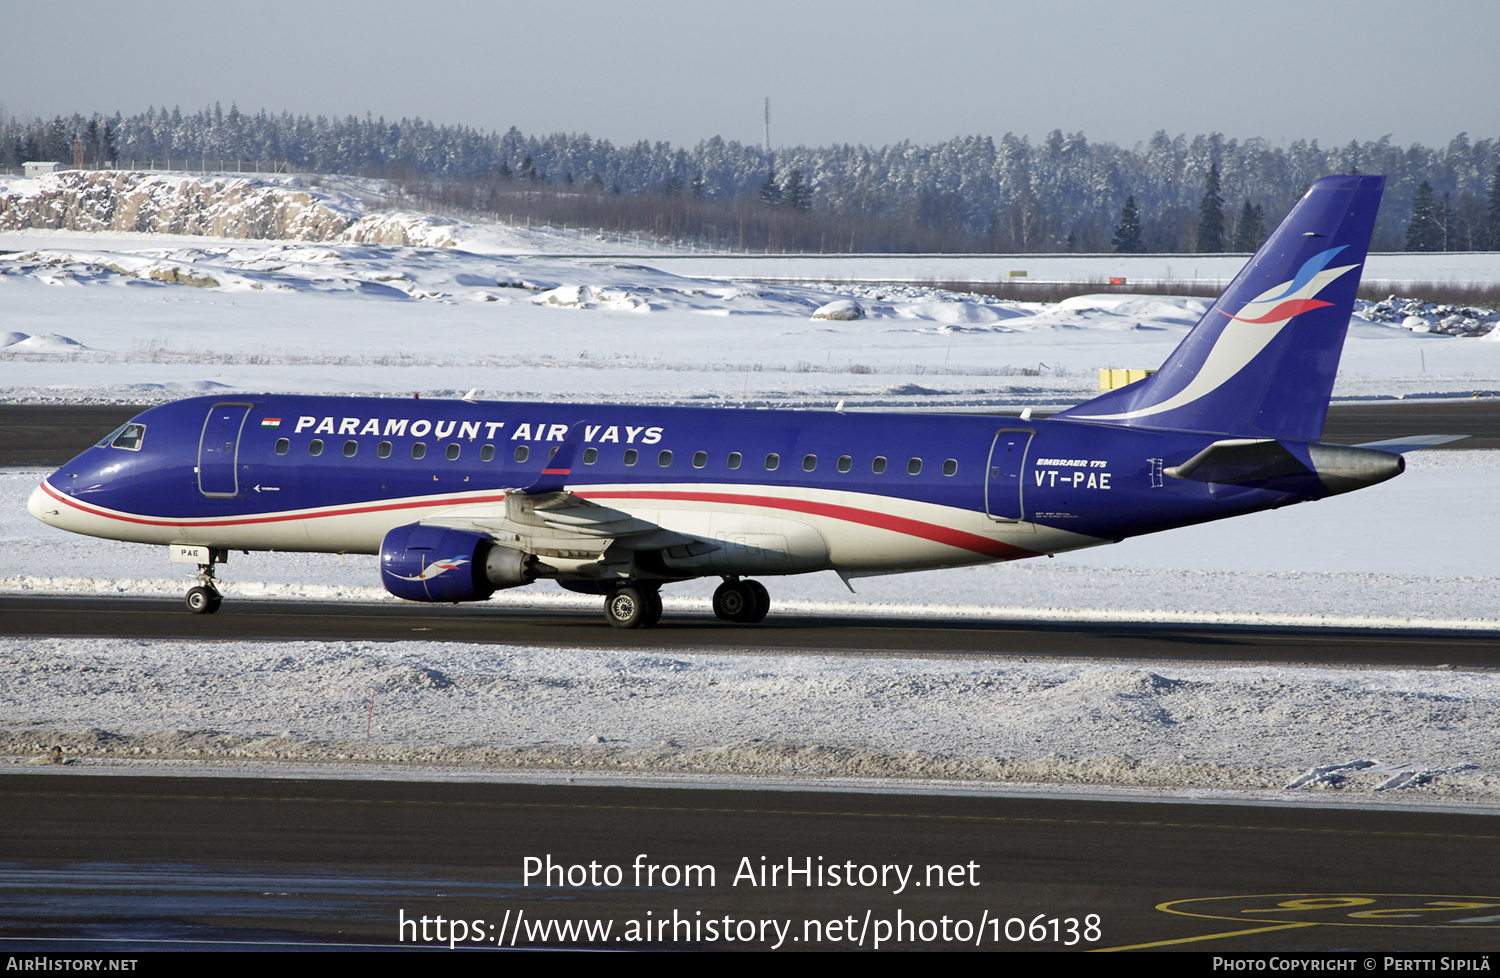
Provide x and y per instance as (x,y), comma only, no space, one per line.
(1261,362)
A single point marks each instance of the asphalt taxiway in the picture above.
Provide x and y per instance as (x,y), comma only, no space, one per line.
(783,632)
(115,863)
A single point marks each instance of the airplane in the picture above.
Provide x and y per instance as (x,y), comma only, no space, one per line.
(461,498)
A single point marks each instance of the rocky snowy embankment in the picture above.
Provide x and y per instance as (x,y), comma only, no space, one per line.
(1420,316)
(271,208)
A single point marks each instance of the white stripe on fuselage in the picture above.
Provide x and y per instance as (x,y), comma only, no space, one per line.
(360,527)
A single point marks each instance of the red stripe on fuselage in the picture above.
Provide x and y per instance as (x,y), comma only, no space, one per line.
(281,518)
(848,514)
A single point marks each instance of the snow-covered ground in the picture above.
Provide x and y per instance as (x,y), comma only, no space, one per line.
(124,316)
(108,316)
(1262,731)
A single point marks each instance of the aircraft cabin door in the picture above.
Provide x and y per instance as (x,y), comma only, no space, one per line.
(1003,486)
(219,449)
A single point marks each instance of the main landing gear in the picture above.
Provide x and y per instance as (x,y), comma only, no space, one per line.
(205,598)
(745,602)
(637,606)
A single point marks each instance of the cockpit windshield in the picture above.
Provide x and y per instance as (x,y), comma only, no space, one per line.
(128,436)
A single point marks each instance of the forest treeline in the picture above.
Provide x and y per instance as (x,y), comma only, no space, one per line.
(975,193)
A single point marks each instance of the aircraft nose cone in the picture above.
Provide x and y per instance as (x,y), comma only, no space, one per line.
(41,505)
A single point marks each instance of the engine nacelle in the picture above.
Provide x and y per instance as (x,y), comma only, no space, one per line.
(436,563)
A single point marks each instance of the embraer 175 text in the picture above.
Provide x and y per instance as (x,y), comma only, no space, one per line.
(463,498)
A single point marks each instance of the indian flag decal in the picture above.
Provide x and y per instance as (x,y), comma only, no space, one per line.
(270,422)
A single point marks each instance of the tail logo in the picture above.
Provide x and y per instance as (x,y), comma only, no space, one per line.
(1249,331)
(1295,297)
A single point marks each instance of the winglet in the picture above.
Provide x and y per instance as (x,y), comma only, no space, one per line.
(554,477)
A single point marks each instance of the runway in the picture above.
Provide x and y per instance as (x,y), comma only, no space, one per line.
(783,633)
(110,864)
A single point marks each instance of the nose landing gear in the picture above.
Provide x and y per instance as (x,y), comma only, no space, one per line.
(205,598)
(743,602)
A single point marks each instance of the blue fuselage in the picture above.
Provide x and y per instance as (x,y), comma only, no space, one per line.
(240,473)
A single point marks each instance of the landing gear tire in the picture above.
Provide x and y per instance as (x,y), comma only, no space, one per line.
(653,609)
(630,607)
(762,601)
(743,602)
(203,600)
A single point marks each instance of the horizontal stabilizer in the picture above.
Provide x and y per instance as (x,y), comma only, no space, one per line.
(1411,443)
(1308,469)
(1239,460)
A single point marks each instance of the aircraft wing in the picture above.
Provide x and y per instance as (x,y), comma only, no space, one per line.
(560,523)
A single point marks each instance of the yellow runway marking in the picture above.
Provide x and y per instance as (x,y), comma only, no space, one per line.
(1205,937)
(1424,911)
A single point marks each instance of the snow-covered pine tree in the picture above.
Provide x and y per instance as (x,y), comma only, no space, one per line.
(1250,229)
(1494,209)
(1211,215)
(1424,233)
(796,192)
(770,191)
(1127,239)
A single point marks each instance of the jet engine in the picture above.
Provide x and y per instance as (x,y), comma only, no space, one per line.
(437,563)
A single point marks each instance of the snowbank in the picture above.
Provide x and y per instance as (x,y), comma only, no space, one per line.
(1279,730)
(281,209)
(331,317)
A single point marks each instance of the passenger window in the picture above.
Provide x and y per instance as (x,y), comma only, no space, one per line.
(418,449)
(130,437)
(878,466)
(383,449)
(350,447)
(552,452)
(453,450)
(809,462)
(700,459)
(487,453)
(522,453)
(772,460)
(283,445)
(734,460)
(590,456)
(950,467)
(631,455)
(914,466)
(664,459)
(315,447)
(845,463)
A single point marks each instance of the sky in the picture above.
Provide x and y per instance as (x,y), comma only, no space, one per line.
(873,72)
